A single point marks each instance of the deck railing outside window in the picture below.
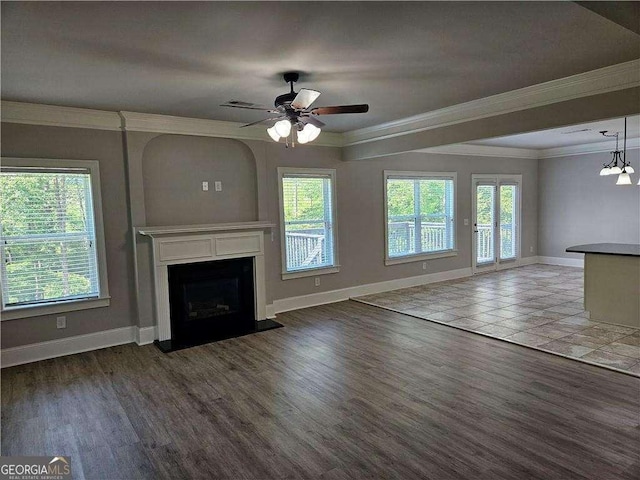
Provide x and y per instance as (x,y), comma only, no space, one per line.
(485,243)
(402,237)
(305,248)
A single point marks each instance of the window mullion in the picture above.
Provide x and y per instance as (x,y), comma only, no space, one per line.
(417,216)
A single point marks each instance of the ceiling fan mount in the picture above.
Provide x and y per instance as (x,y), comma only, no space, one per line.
(291,77)
(285,99)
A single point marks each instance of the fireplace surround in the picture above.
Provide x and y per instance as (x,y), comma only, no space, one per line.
(202,247)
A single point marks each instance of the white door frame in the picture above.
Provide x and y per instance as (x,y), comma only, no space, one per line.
(497,180)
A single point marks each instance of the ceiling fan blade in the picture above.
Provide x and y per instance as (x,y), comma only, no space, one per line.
(363,108)
(313,121)
(304,98)
(266,120)
(247,105)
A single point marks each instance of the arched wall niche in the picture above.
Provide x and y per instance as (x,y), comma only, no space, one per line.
(173,169)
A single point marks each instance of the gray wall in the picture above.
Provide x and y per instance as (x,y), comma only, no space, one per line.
(81,144)
(360,210)
(170,169)
(577,206)
(173,169)
(181,160)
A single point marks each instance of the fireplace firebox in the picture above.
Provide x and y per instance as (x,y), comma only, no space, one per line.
(211,301)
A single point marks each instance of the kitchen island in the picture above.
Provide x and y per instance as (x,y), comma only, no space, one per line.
(611,282)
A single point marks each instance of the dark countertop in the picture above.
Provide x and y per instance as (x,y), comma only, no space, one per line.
(626,249)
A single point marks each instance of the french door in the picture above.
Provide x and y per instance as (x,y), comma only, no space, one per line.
(496,221)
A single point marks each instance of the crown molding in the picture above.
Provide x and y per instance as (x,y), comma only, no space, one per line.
(530,153)
(55,116)
(598,147)
(603,80)
(148,122)
(482,151)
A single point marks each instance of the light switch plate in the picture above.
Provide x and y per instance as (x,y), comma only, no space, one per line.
(205,186)
(466,221)
(61,322)
(218,186)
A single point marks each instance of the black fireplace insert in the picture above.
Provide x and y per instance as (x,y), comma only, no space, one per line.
(211,301)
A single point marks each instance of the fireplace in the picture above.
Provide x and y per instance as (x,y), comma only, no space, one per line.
(211,300)
(220,273)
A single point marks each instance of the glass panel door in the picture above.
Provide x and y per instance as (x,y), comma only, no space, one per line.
(508,221)
(496,218)
(484,224)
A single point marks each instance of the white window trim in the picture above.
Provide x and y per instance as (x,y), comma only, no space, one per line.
(313,271)
(103,299)
(418,257)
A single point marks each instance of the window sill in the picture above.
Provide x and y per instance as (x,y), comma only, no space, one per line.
(312,272)
(420,257)
(14,313)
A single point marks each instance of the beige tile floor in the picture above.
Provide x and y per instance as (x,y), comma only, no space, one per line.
(539,306)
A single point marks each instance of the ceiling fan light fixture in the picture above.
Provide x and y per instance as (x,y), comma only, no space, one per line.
(273,134)
(312,132)
(303,136)
(283,128)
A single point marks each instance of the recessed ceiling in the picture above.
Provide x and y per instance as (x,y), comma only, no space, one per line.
(403,59)
(567,136)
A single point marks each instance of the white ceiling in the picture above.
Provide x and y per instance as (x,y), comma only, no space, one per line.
(402,58)
(567,136)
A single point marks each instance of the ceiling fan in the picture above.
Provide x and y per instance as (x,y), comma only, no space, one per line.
(293,112)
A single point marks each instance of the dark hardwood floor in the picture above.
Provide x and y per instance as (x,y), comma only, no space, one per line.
(343,391)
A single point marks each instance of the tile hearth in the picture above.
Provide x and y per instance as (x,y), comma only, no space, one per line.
(539,306)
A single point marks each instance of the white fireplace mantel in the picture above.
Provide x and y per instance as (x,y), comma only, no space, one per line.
(204,243)
(157,232)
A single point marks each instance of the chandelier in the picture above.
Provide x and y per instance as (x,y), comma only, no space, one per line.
(618,164)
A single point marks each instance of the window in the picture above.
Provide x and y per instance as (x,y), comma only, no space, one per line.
(420,211)
(52,244)
(308,233)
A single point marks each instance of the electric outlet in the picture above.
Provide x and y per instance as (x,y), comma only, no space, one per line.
(317,281)
(61,322)
(205,186)
(424,265)
(530,249)
(218,186)
(466,222)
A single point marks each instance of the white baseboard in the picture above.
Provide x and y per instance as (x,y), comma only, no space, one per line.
(145,335)
(66,346)
(527,261)
(77,344)
(271,311)
(322,298)
(564,262)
